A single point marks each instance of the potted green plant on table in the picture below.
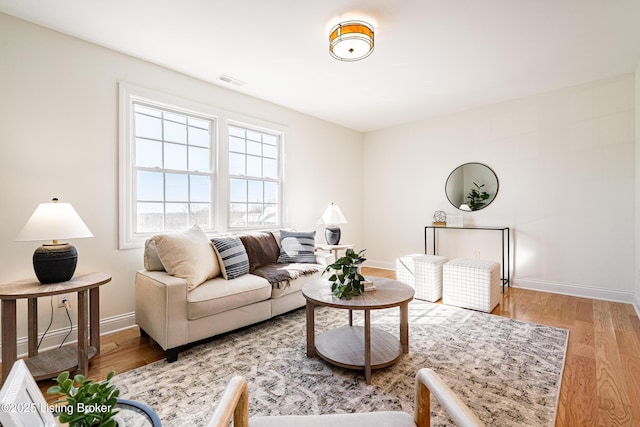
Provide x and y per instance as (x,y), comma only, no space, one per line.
(88,403)
(346,280)
(477,197)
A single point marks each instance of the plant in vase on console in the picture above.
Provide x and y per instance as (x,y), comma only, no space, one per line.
(88,403)
(346,280)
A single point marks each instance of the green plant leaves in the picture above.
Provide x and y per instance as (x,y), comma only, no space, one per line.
(88,403)
(346,281)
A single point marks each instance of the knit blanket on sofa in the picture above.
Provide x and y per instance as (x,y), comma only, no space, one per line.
(263,251)
(280,275)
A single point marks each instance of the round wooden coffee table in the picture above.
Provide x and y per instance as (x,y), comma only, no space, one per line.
(358,347)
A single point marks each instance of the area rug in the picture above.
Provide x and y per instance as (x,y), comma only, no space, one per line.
(507,371)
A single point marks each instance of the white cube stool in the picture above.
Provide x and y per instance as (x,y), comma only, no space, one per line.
(471,283)
(423,273)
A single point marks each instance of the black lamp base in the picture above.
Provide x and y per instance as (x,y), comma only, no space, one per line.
(332,235)
(55,263)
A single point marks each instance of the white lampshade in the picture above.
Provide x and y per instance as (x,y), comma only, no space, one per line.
(332,215)
(53,221)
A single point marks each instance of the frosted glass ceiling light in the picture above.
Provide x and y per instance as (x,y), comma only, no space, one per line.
(351,40)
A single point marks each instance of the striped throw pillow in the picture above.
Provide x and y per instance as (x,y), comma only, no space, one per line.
(297,247)
(233,258)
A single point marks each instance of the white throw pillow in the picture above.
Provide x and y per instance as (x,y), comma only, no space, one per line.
(188,255)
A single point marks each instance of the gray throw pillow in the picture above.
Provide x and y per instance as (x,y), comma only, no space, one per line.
(232,256)
(297,246)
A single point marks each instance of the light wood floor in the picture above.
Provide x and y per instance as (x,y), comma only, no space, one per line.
(601,381)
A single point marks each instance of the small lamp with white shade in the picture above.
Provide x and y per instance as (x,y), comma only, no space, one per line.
(332,217)
(54,262)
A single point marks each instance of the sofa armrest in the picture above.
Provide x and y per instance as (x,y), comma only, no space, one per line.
(161,307)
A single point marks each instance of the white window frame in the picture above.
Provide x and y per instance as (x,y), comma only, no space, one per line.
(128,94)
(270,129)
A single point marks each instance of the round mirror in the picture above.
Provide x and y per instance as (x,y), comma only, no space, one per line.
(472,186)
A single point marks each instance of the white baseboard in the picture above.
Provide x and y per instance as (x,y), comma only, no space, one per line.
(573,290)
(53,338)
(553,287)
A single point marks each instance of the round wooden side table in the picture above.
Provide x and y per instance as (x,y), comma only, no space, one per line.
(67,358)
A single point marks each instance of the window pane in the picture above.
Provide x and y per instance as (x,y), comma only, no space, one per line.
(199,159)
(236,131)
(179,118)
(175,132)
(149,217)
(269,139)
(200,190)
(147,110)
(148,153)
(177,216)
(175,156)
(236,144)
(254,148)
(269,151)
(176,188)
(236,164)
(255,191)
(270,215)
(148,127)
(270,168)
(254,136)
(149,186)
(270,192)
(238,190)
(254,214)
(199,137)
(199,123)
(254,166)
(238,215)
(201,215)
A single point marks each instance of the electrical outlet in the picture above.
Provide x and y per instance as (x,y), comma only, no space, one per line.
(63,300)
(476,254)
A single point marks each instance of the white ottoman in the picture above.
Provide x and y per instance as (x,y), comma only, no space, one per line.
(423,273)
(471,283)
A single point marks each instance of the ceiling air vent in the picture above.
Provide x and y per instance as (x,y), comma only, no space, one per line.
(231,80)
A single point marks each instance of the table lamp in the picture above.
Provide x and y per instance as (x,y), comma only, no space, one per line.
(332,217)
(54,262)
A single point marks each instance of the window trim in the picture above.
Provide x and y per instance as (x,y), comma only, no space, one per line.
(128,94)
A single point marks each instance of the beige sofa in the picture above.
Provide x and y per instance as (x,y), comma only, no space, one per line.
(179,302)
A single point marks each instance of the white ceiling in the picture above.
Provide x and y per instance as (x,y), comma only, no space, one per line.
(431,57)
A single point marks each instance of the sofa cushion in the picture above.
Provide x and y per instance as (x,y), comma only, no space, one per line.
(218,295)
(262,249)
(187,255)
(232,256)
(297,246)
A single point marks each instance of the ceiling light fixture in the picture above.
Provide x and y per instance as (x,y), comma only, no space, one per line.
(351,40)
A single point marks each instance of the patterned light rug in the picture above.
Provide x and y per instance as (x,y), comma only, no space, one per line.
(507,371)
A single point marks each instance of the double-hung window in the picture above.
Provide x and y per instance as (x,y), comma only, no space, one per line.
(170,149)
(167,166)
(254,177)
(173,171)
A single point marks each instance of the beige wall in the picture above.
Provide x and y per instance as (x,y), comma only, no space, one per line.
(565,162)
(59,137)
(637,192)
